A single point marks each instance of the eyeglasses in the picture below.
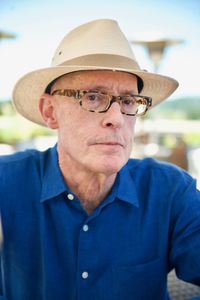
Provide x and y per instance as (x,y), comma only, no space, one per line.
(96,101)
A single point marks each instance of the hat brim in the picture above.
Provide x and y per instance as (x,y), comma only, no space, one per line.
(30,87)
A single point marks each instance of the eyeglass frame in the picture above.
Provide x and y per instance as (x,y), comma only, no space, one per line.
(78,94)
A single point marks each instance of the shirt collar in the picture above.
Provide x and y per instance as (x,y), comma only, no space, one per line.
(53,181)
(54,184)
(127,189)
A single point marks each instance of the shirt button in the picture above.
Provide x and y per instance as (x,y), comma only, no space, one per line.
(85,227)
(70,197)
(85,275)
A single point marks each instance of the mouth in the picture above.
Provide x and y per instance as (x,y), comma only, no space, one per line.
(108,143)
(112,143)
(110,147)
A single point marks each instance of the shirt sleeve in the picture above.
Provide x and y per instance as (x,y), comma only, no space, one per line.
(1,282)
(185,233)
(1,237)
(1,288)
(1,278)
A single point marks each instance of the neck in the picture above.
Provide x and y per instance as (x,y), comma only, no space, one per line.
(90,187)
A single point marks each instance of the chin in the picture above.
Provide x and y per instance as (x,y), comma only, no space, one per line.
(111,166)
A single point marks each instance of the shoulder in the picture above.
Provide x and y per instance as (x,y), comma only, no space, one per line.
(22,175)
(18,157)
(149,166)
(164,187)
(20,163)
(159,175)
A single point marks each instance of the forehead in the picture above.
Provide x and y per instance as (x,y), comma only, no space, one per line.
(87,79)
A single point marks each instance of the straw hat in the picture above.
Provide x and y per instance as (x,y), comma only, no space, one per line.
(97,45)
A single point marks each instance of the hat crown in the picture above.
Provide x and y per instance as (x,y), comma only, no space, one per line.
(99,41)
(97,45)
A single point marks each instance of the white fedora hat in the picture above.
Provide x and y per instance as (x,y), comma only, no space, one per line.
(97,45)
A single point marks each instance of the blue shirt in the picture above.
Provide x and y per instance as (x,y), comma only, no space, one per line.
(148,225)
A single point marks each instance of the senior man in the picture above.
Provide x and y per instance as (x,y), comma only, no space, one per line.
(82,221)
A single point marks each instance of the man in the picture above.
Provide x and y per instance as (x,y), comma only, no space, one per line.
(81,220)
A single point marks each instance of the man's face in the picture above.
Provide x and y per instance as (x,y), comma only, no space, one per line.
(89,141)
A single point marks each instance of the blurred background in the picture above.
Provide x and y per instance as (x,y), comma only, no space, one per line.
(165,39)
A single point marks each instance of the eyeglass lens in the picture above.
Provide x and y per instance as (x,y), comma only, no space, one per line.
(99,102)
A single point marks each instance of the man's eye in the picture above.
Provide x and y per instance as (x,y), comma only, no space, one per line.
(92,97)
(128,102)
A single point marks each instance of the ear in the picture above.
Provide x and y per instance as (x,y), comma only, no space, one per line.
(47,110)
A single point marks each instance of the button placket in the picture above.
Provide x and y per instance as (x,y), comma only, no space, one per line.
(84,262)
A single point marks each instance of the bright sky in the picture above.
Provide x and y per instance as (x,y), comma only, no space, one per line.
(41,24)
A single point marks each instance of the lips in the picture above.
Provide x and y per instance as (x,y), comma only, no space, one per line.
(111,143)
(107,141)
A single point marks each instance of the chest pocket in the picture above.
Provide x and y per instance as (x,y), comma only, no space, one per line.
(140,282)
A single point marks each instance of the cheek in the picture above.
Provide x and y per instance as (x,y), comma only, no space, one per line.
(73,127)
(66,124)
(67,117)
(130,128)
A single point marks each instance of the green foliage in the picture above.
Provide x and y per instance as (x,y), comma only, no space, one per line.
(6,109)
(14,128)
(181,108)
(192,139)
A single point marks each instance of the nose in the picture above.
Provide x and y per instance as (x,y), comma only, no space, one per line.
(113,116)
